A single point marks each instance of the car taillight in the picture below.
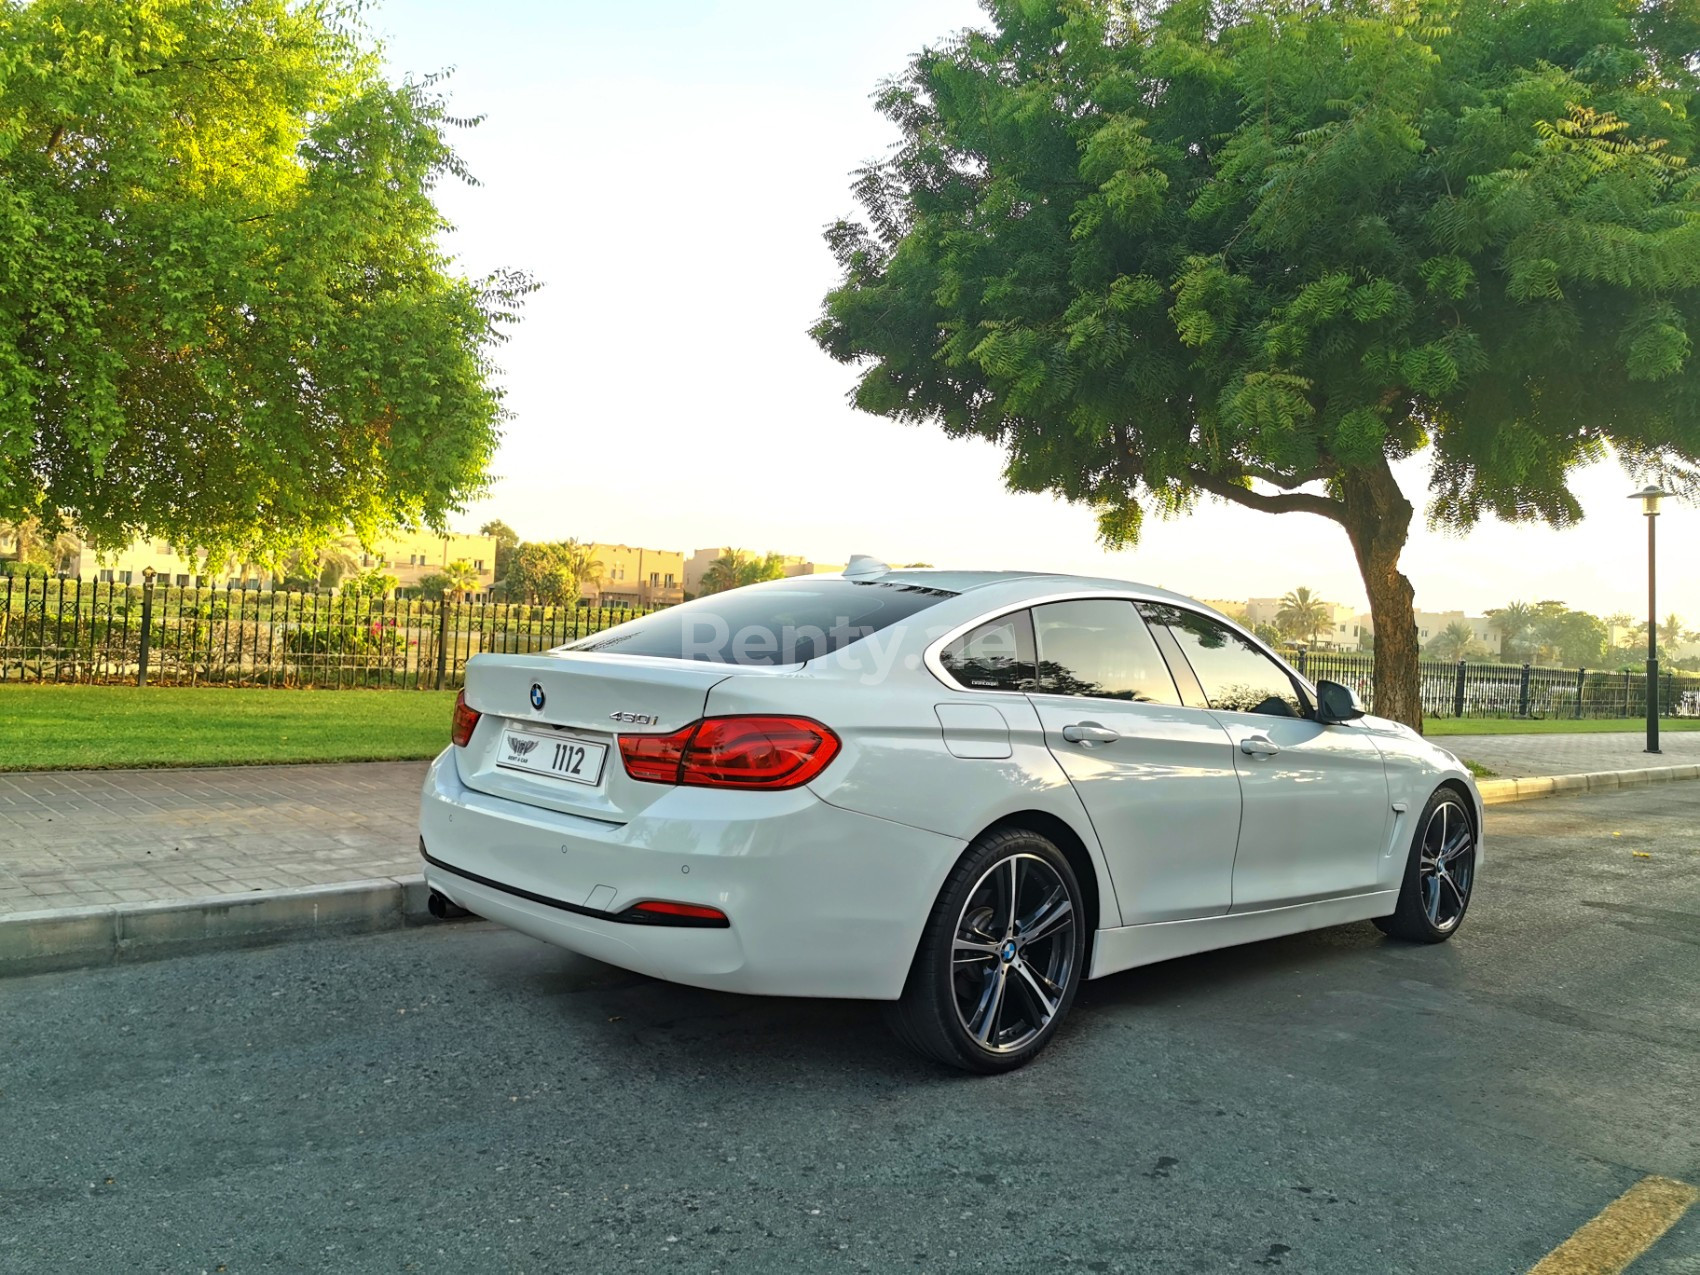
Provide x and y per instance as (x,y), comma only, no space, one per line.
(748,751)
(655,758)
(464,720)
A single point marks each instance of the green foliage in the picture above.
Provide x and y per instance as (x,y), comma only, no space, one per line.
(1550,633)
(737,568)
(453,582)
(433,587)
(553,574)
(507,540)
(1456,642)
(1261,252)
(226,318)
(372,583)
(1302,615)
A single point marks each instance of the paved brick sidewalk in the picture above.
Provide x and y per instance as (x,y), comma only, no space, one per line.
(77,838)
(1520,756)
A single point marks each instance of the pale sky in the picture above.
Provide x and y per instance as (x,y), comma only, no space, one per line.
(665,169)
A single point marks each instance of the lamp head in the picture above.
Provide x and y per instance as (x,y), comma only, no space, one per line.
(1649,496)
(148,574)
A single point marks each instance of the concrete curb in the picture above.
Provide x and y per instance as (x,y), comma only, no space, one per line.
(68,938)
(1496,792)
(71,938)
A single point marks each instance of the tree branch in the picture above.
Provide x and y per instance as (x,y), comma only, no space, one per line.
(1287,482)
(54,138)
(205,62)
(1293,502)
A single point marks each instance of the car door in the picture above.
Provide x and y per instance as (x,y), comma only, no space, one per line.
(1315,805)
(1157,778)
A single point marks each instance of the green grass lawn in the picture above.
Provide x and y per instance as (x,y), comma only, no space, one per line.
(1548,726)
(101,727)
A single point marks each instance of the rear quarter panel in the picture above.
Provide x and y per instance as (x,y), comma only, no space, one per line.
(895,764)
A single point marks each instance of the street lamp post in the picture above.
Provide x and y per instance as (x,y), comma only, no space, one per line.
(1649,497)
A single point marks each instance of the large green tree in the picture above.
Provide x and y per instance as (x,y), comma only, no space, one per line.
(1261,253)
(226,317)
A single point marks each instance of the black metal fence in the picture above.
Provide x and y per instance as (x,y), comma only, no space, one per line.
(1472,689)
(74,630)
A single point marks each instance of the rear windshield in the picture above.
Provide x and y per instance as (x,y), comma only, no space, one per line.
(786,622)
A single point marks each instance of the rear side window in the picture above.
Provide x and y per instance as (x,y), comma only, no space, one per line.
(997,656)
(1234,674)
(786,622)
(1100,647)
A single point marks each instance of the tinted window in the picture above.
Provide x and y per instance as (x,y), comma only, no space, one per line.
(1101,648)
(997,656)
(1234,674)
(786,622)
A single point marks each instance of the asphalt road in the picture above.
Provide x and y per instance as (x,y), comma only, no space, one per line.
(464,1099)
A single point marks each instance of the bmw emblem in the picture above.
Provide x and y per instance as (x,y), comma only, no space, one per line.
(1008,952)
(537,696)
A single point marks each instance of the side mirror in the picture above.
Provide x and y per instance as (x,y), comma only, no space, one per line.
(1336,703)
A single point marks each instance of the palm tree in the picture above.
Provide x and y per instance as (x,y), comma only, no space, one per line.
(1453,643)
(575,566)
(462,577)
(1671,632)
(1302,615)
(29,544)
(327,565)
(737,567)
(1514,623)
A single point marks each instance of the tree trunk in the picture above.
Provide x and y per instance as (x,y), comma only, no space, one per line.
(1377,518)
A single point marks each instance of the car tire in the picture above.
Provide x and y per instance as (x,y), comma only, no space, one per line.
(1440,872)
(1000,959)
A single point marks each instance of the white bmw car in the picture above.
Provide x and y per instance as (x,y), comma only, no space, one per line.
(957,792)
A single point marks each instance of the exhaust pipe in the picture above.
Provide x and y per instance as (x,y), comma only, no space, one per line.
(444,908)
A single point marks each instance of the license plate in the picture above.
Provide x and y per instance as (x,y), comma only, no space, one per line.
(578,761)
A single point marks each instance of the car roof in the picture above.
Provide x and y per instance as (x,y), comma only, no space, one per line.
(1038,581)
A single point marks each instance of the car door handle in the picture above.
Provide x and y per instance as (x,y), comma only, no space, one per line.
(1259,746)
(1090,733)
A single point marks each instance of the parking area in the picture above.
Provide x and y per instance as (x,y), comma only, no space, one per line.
(461,1098)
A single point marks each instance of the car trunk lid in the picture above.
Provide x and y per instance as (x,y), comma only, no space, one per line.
(548,716)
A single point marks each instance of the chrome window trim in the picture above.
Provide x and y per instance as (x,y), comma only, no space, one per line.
(936,666)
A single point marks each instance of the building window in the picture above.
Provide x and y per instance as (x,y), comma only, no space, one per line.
(669,579)
(106,576)
(125,577)
(365,559)
(655,579)
(182,580)
(478,564)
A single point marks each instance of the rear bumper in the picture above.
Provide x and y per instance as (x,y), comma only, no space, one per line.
(822,901)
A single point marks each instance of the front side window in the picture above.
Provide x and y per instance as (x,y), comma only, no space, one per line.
(1100,647)
(1235,675)
(997,656)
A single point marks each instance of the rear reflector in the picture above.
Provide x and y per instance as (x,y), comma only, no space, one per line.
(661,912)
(464,720)
(745,751)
